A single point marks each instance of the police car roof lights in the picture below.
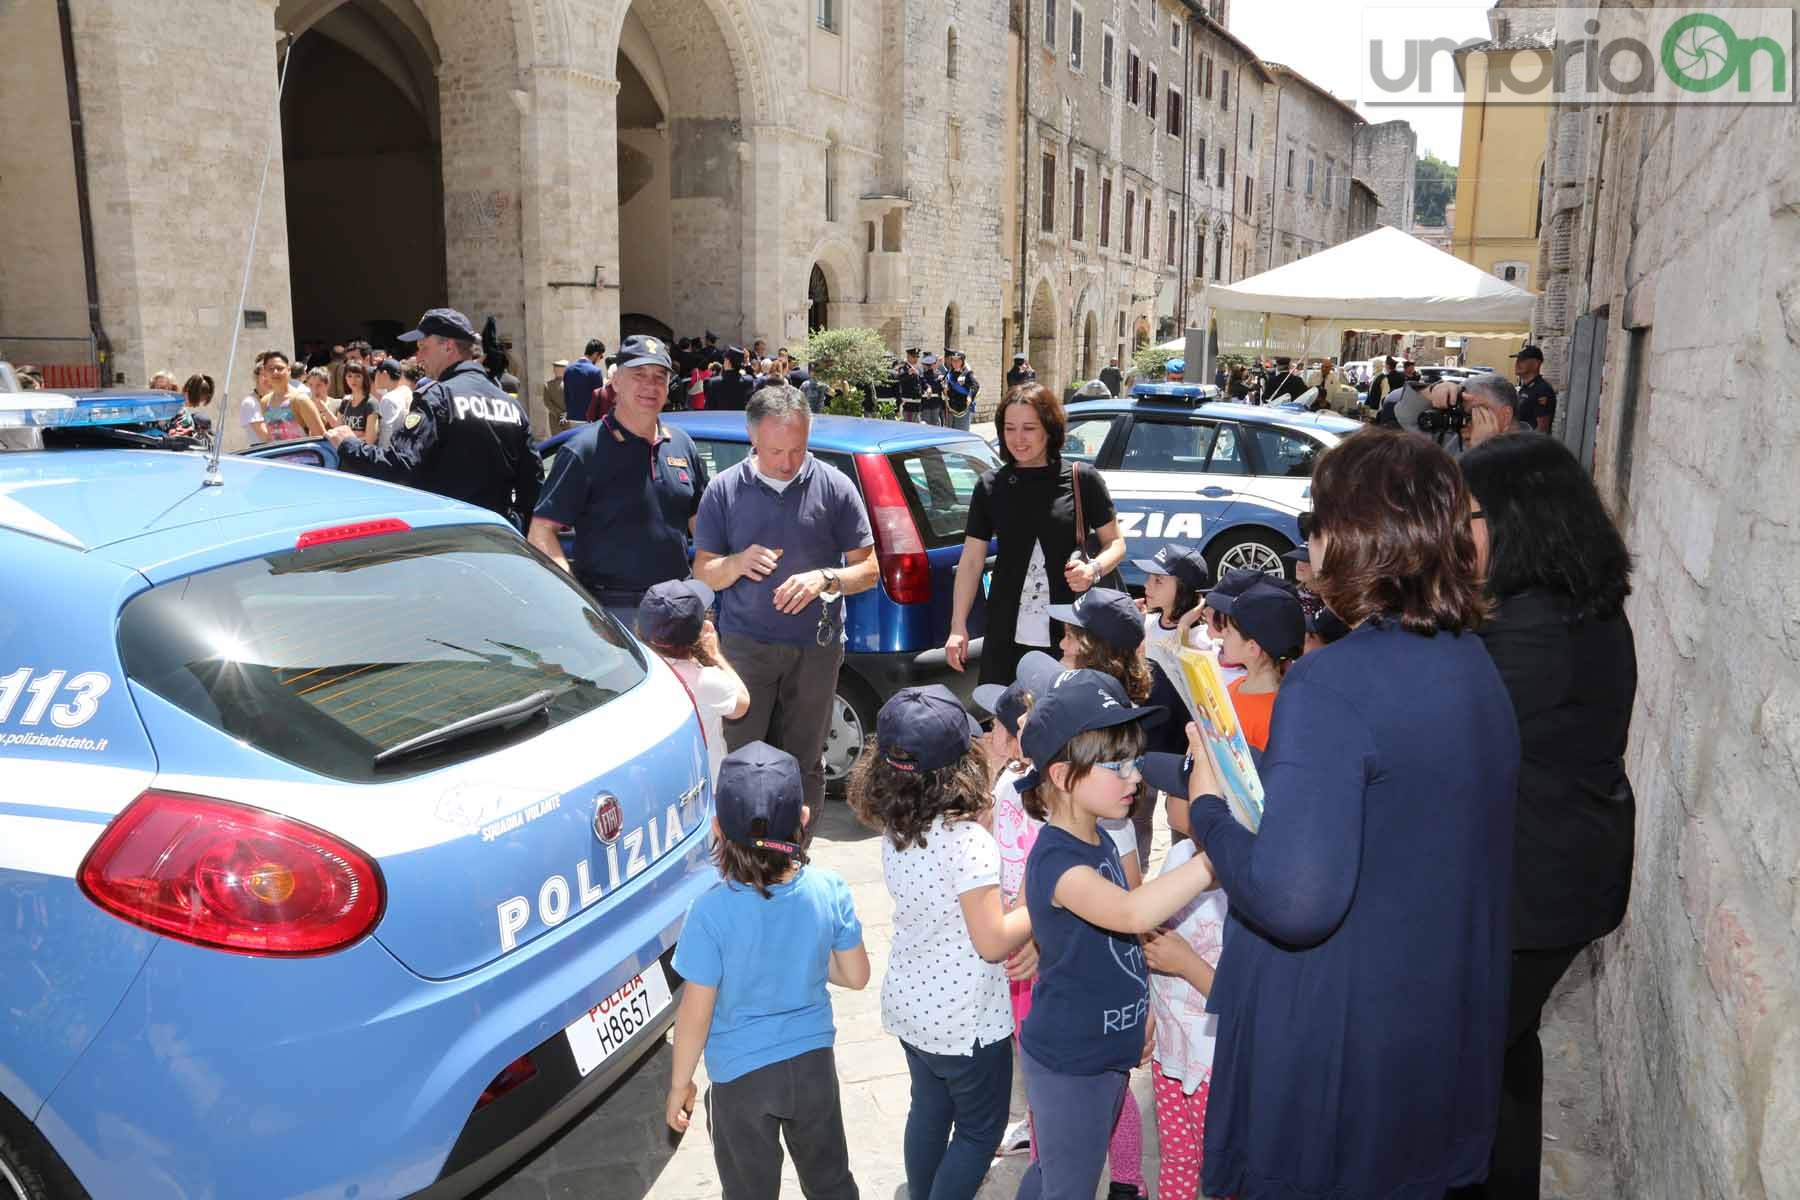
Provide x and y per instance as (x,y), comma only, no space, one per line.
(1192,394)
(350,532)
(70,410)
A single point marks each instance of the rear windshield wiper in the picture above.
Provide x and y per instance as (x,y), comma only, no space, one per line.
(515,712)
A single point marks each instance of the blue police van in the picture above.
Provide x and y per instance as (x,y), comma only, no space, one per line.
(917,482)
(327,865)
(1185,468)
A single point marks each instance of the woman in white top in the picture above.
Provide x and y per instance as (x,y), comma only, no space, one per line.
(672,621)
(924,785)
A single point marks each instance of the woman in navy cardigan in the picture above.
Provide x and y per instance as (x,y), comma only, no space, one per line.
(1362,989)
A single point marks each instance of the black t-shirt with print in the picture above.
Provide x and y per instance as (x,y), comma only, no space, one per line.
(356,416)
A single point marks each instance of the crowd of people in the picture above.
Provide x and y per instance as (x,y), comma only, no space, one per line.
(1344,1002)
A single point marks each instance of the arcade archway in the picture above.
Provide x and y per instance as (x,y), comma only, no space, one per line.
(1040,331)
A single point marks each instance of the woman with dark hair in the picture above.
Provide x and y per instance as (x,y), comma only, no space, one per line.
(1030,505)
(1559,574)
(1361,995)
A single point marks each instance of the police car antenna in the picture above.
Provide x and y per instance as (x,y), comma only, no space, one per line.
(237,326)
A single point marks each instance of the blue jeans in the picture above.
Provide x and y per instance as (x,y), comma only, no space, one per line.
(969,1092)
(1072,1118)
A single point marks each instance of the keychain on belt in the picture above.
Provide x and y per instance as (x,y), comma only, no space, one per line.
(828,600)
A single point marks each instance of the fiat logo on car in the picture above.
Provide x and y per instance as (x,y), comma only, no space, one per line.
(609,818)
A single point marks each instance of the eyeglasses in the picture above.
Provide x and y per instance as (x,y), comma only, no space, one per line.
(1477,514)
(1125,768)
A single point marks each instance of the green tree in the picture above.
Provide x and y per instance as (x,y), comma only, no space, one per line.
(1434,187)
(846,362)
(1152,362)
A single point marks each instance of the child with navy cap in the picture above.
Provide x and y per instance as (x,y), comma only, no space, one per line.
(672,621)
(923,784)
(757,952)
(1089,1018)
(1173,579)
(1265,631)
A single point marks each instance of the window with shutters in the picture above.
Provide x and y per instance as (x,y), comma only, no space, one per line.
(1247,185)
(1146,227)
(827,15)
(1175,33)
(1130,215)
(1133,72)
(1108,52)
(1290,168)
(1200,161)
(1078,208)
(1050,24)
(1154,85)
(1309,177)
(1225,90)
(1077,37)
(1169,252)
(1047,199)
(1200,252)
(1105,211)
(1175,114)
(1218,252)
(1221,180)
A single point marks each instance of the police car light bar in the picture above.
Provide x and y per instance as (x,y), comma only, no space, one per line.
(52,410)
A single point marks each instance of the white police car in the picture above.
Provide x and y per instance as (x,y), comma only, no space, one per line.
(329,862)
(1229,478)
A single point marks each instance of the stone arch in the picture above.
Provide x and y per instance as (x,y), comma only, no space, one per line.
(1090,346)
(746,42)
(837,261)
(1043,327)
(952,327)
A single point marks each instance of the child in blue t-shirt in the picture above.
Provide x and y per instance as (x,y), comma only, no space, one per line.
(757,951)
(1090,1019)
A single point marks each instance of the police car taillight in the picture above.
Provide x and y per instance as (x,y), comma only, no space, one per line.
(905,570)
(232,878)
(350,532)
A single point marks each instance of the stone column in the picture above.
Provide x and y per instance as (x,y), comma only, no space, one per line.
(570,216)
(178,101)
(770,277)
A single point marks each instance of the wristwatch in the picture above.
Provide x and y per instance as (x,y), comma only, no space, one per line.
(831,581)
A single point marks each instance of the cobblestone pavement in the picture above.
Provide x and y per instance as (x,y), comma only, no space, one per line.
(621,1150)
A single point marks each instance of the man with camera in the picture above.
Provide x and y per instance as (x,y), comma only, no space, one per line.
(1459,416)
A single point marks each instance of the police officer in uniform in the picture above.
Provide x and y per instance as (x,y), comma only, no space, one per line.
(1537,399)
(909,381)
(730,389)
(463,437)
(629,485)
(960,389)
(931,401)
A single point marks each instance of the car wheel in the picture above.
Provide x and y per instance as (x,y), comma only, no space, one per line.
(29,1169)
(1257,550)
(853,711)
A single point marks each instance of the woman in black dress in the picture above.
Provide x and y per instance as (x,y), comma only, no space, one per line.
(1558,572)
(1028,503)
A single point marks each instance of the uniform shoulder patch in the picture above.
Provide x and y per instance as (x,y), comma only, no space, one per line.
(413,418)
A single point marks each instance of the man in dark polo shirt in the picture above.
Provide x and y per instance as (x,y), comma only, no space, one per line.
(1537,399)
(630,486)
(782,538)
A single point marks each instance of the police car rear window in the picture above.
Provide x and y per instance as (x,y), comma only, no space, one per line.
(940,483)
(330,656)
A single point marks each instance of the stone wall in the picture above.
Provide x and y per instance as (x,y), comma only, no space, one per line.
(1387,158)
(1694,250)
(1307,155)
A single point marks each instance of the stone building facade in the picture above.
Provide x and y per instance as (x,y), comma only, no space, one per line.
(1136,142)
(1670,319)
(1308,156)
(1386,159)
(574,168)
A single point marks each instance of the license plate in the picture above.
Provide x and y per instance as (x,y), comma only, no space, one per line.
(602,1031)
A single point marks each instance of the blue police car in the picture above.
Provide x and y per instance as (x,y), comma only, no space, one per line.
(917,482)
(1229,478)
(326,865)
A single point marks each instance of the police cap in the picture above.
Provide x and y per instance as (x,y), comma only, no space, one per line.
(641,350)
(442,322)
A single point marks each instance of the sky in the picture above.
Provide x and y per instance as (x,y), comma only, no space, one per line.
(1327,41)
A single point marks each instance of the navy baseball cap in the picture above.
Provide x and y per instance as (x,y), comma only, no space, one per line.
(1299,554)
(1037,673)
(1232,583)
(924,728)
(671,613)
(1268,613)
(442,322)
(1529,352)
(1326,625)
(391,368)
(1167,772)
(760,799)
(1185,563)
(641,350)
(1078,701)
(1108,615)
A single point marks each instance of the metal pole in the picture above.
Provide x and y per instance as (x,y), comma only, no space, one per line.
(237,325)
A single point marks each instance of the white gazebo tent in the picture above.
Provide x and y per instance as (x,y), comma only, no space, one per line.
(1385,281)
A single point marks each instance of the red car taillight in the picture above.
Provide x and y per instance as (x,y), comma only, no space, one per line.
(232,878)
(905,571)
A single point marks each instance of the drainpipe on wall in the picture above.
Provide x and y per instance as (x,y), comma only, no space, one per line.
(1188,109)
(78,141)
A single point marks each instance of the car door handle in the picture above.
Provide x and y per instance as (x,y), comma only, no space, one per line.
(1216,491)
